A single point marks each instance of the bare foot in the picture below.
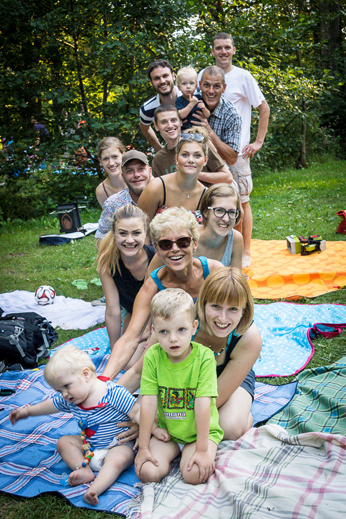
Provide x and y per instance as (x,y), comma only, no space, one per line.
(91,497)
(161,434)
(246,259)
(81,476)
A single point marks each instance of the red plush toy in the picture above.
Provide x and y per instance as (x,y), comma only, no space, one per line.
(342,225)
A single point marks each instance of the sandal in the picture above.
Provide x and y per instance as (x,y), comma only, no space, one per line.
(81,284)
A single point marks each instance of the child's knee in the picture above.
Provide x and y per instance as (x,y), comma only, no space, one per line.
(62,444)
(151,474)
(191,476)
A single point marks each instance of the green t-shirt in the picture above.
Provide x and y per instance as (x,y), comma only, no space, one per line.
(177,386)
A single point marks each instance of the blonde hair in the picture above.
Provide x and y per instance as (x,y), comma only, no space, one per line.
(68,359)
(177,218)
(185,70)
(171,301)
(205,144)
(219,191)
(107,142)
(226,285)
(108,255)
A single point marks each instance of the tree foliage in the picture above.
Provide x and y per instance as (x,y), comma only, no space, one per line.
(79,67)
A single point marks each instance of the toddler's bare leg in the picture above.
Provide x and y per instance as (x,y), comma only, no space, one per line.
(192,476)
(71,450)
(116,461)
(164,452)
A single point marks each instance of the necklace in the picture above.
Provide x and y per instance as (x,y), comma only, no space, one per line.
(219,352)
(187,194)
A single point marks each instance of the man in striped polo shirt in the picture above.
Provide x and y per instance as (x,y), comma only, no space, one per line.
(161,76)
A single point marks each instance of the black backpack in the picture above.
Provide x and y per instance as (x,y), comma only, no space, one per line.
(24,339)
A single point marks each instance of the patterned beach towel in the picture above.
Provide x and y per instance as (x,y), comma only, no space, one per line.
(319,403)
(277,274)
(29,463)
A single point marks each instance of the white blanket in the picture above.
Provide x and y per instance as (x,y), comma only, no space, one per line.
(65,313)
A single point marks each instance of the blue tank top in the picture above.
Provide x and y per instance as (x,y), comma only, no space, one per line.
(160,286)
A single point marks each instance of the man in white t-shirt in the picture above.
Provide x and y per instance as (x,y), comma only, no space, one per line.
(243,91)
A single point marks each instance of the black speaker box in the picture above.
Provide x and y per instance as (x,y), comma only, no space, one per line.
(69,217)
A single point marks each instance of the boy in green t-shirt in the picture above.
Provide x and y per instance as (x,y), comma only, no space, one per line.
(178,379)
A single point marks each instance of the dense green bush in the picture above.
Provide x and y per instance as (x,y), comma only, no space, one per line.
(39,191)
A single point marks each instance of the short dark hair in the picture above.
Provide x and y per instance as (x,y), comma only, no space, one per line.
(165,108)
(159,63)
(222,36)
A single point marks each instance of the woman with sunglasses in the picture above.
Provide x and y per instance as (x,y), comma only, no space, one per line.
(221,211)
(182,188)
(174,234)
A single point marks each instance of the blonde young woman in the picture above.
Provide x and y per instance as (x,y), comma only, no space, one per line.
(110,151)
(182,188)
(122,262)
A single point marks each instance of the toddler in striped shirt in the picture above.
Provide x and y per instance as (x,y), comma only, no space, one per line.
(100,406)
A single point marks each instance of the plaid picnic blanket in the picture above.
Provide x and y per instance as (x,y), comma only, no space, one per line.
(319,403)
(266,473)
(29,462)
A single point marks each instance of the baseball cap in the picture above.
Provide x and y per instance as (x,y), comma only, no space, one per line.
(134,155)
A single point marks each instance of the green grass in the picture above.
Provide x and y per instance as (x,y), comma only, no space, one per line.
(287,202)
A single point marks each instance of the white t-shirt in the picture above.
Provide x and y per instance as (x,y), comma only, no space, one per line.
(243,91)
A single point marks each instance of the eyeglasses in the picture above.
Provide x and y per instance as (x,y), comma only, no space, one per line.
(182,243)
(220,212)
(198,137)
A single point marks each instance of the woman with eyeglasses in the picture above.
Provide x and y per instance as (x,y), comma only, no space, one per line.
(182,188)
(174,234)
(221,211)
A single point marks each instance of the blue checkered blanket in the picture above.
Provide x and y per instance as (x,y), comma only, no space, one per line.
(29,462)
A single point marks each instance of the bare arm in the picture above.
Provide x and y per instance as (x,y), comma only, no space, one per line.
(43,408)
(113,312)
(264,111)
(148,415)
(201,456)
(184,112)
(151,198)
(100,195)
(242,360)
(223,174)
(224,150)
(150,136)
(125,347)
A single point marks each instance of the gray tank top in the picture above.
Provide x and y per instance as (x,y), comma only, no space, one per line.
(226,258)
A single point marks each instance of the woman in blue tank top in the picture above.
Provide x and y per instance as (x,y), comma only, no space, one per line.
(225,313)
(174,234)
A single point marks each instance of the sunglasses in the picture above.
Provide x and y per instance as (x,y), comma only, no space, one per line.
(198,137)
(182,243)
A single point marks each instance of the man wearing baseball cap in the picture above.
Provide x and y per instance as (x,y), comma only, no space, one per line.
(136,173)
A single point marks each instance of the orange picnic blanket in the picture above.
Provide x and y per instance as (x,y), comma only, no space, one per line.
(277,274)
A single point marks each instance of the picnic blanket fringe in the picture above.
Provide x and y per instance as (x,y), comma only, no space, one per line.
(266,470)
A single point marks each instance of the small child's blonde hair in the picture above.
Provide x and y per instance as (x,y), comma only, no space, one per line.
(68,359)
(171,301)
(183,71)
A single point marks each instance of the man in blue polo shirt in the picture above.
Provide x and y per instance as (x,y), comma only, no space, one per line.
(161,76)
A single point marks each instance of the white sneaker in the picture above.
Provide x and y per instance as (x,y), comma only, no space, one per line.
(99,302)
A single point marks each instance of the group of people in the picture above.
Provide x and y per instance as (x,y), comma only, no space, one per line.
(179,311)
